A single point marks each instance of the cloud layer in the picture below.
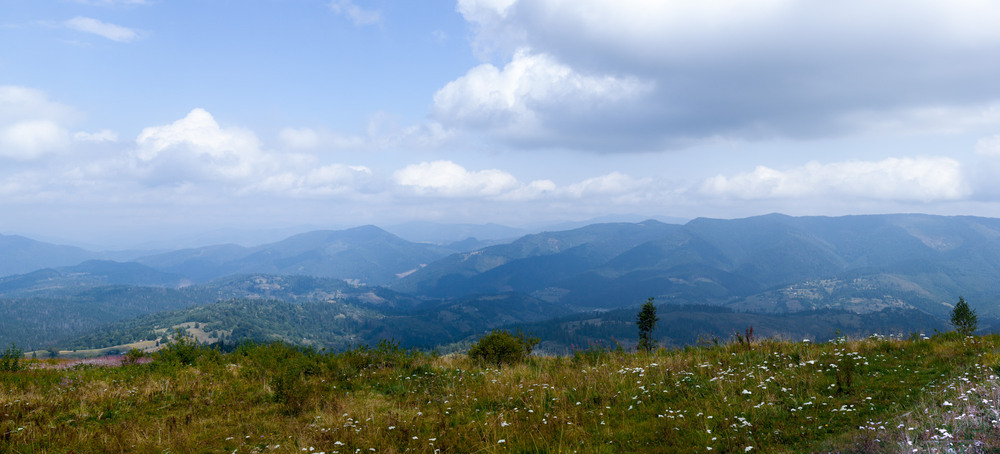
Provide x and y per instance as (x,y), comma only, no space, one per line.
(662,75)
(909,179)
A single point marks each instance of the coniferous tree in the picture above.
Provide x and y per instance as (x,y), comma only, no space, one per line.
(963,318)
(647,321)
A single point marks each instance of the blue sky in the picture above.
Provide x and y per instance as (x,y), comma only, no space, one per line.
(123,119)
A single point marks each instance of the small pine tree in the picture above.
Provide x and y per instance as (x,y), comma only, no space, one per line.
(963,318)
(646,322)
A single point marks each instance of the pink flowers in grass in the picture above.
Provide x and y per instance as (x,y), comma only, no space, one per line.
(100,361)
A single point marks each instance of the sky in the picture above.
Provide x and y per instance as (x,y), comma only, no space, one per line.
(130,119)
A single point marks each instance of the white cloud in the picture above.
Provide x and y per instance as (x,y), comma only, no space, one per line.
(196,147)
(450,179)
(445,178)
(104,135)
(355,13)
(18,103)
(103,29)
(523,97)
(921,179)
(196,151)
(31,125)
(32,139)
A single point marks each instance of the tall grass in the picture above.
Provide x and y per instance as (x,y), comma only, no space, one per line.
(867,395)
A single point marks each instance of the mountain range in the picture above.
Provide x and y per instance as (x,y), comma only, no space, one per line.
(777,265)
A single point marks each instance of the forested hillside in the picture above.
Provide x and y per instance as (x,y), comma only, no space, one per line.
(791,276)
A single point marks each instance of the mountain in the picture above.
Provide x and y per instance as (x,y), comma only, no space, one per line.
(21,255)
(366,254)
(530,262)
(445,234)
(759,263)
(87,275)
(611,219)
(767,268)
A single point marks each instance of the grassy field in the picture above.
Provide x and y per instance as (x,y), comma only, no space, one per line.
(869,395)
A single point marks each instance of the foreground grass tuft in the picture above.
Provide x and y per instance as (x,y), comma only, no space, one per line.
(869,395)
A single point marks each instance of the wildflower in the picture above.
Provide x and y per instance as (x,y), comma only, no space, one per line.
(501,441)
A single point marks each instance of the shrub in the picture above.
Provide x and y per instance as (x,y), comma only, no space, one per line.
(181,349)
(10,361)
(291,390)
(133,357)
(501,347)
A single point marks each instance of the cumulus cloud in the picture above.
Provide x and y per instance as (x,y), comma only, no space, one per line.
(529,93)
(728,69)
(103,29)
(901,179)
(196,148)
(445,178)
(31,139)
(31,125)
(355,13)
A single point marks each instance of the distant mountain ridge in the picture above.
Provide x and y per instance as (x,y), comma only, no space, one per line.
(367,254)
(773,265)
(20,255)
(921,260)
(86,275)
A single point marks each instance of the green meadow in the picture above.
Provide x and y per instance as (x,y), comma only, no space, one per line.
(849,395)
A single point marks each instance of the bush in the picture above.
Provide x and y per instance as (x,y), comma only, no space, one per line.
(501,347)
(291,390)
(386,354)
(133,357)
(181,349)
(10,361)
